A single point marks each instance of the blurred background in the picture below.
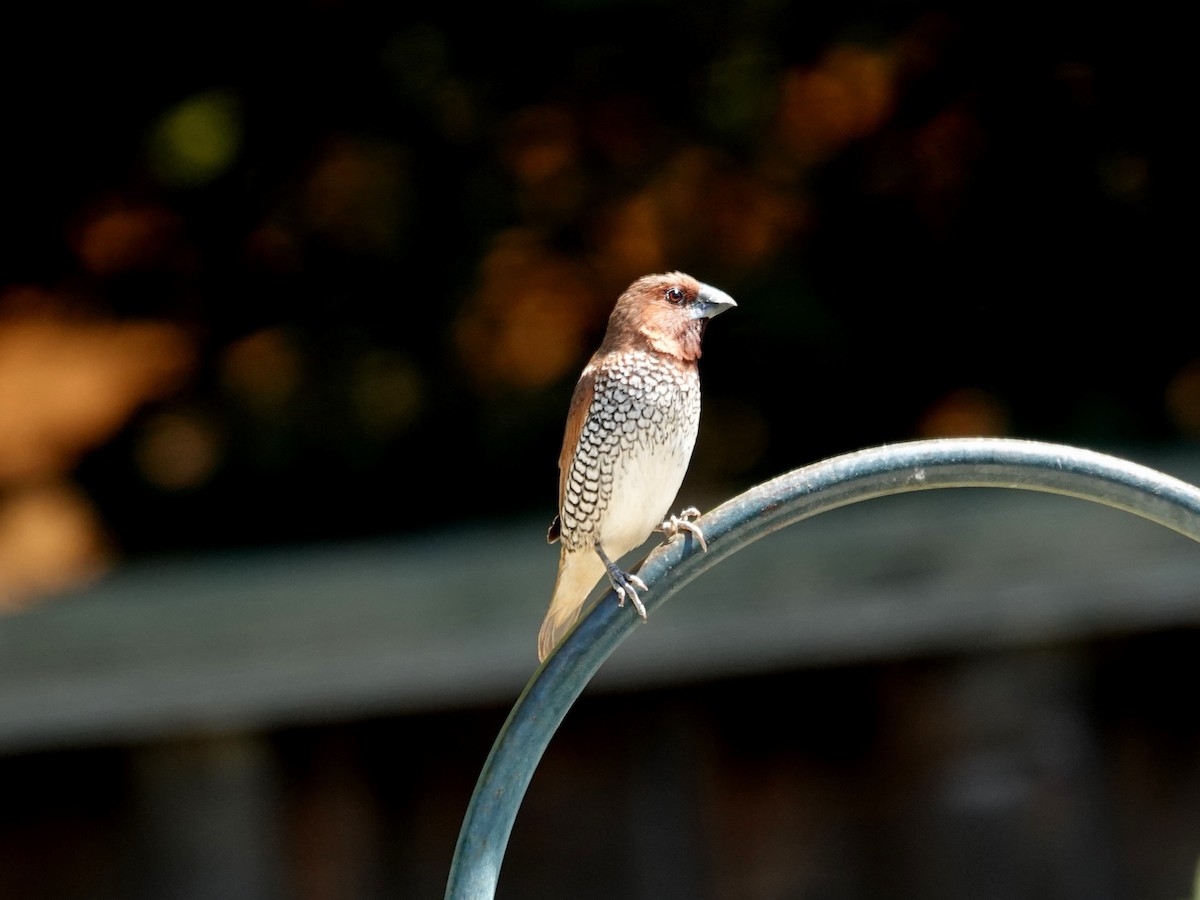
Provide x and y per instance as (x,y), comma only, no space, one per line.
(292,302)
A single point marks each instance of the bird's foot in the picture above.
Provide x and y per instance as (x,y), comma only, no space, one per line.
(627,585)
(685,521)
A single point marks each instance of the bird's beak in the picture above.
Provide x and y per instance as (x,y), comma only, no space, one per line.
(711,302)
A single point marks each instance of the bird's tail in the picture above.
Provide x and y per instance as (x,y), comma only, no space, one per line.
(578,572)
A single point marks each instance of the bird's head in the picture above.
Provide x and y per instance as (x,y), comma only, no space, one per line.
(666,314)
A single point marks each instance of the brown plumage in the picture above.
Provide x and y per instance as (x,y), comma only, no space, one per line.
(630,432)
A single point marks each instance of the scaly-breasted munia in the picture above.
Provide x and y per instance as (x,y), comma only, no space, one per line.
(630,432)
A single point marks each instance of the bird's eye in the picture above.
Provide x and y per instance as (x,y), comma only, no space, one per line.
(675,295)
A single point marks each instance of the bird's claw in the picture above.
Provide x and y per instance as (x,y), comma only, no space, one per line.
(627,585)
(684,522)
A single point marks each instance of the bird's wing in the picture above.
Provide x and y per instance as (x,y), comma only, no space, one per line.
(581,402)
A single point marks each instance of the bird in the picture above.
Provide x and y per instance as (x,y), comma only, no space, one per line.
(631,427)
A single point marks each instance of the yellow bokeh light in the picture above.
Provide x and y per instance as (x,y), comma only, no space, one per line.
(196,140)
(387,392)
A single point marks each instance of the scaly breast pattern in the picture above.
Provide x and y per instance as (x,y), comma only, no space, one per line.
(632,453)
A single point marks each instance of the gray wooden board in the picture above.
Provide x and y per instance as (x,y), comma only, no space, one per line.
(448,620)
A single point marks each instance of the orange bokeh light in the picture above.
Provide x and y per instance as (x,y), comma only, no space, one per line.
(525,325)
(67,383)
(965,412)
(847,95)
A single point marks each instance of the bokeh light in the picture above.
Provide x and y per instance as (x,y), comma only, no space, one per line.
(197,140)
(51,539)
(67,383)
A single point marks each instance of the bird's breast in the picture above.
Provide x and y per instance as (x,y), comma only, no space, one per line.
(633,451)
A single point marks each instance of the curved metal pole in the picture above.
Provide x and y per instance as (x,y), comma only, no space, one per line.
(800,494)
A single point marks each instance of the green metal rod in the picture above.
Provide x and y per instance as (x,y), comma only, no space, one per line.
(790,498)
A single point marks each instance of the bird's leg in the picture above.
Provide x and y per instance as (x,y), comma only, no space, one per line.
(684,522)
(625,584)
